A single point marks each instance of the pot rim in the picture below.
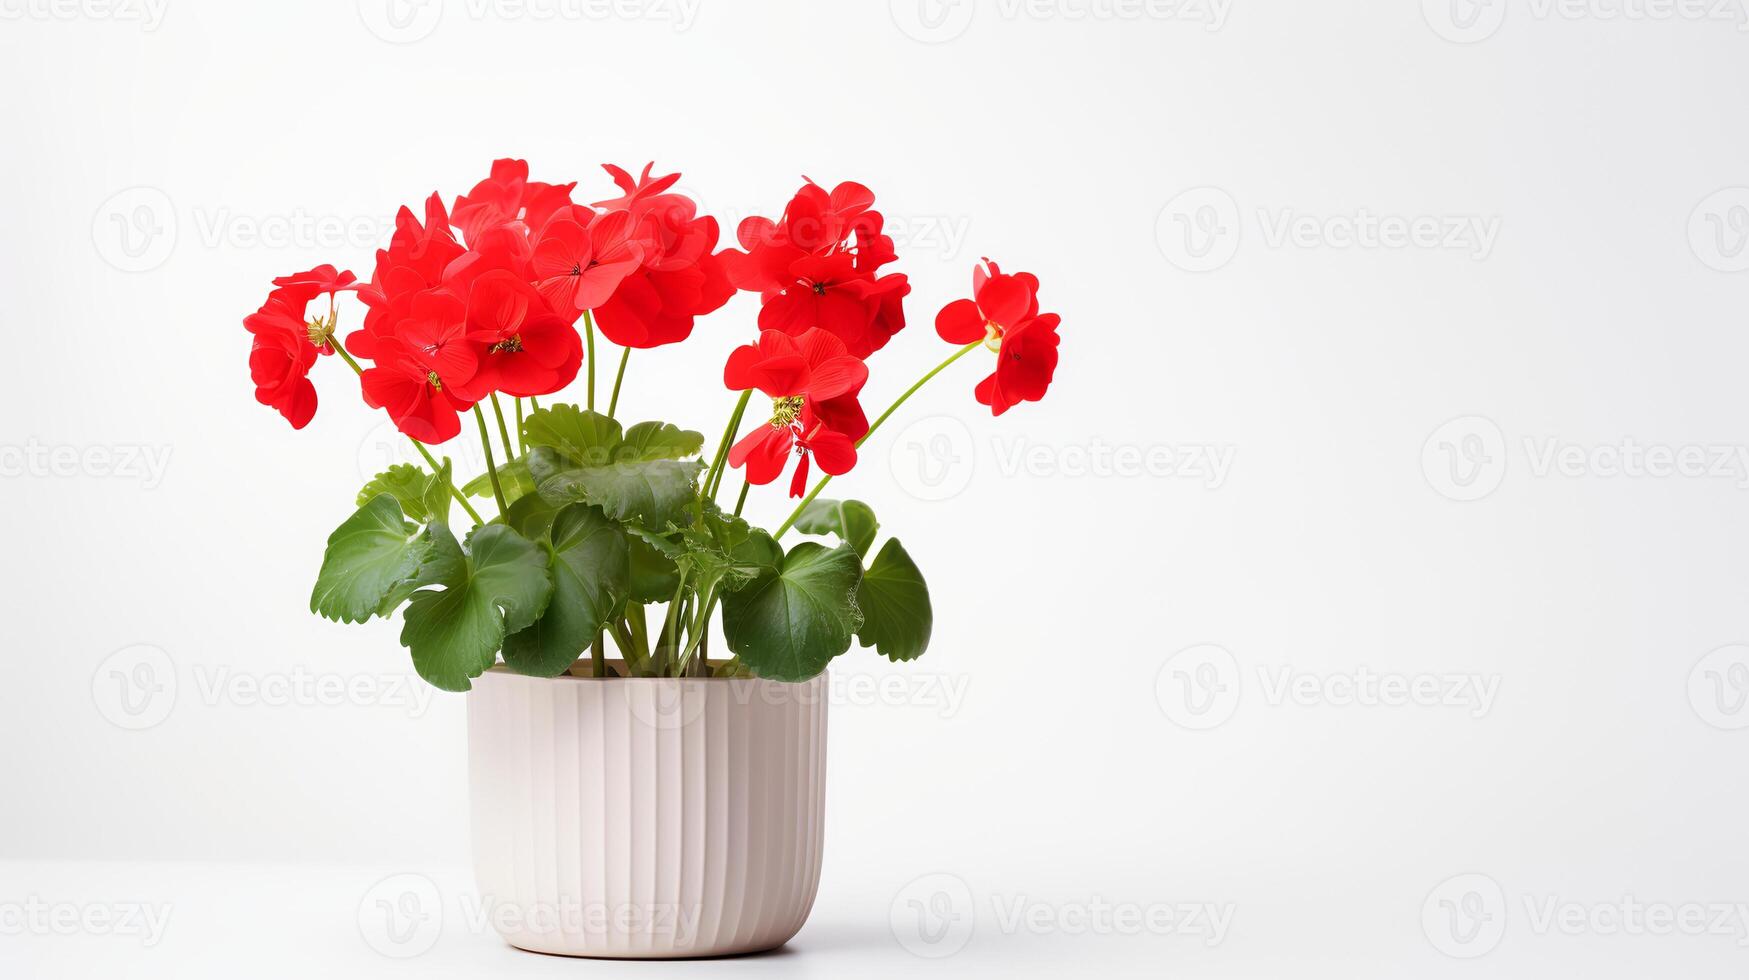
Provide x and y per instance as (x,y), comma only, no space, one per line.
(500,670)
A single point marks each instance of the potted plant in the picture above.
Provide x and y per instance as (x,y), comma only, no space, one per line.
(666,801)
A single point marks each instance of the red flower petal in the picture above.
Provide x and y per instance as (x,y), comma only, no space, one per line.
(764,452)
(960,322)
(835,450)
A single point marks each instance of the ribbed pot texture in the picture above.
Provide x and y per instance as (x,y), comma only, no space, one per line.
(646,817)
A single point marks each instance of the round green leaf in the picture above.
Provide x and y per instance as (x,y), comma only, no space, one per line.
(897,617)
(851,520)
(790,622)
(589,565)
(583,437)
(659,440)
(407,484)
(367,556)
(651,492)
(501,587)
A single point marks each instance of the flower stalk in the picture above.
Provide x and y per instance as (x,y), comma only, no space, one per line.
(491,467)
(796,515)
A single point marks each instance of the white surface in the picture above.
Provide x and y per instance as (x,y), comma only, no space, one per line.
(1602,310)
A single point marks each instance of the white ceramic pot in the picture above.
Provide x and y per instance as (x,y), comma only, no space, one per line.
(646,817)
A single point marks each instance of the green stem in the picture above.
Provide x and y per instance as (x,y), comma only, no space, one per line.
(589,339)
(741,501)
(670,628)
(713,477)
(503,430)
(520,447)
(622,638)
(618,379)
(639,629)
(699,626)
(534,403)
(455,492)
(491,468)
(598,654)
(963,351)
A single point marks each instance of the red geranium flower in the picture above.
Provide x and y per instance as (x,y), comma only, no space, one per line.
(827,292)
(435,334)
(577,266)
(280,361)
(523,349)
(999,301)
(415,260)
(505,248)
(1024,365)
(817,267)
(812,381)
(286,345)
(508,195)
(1004,315)
(321,279)
(817,219)
(680,280)
(414,395)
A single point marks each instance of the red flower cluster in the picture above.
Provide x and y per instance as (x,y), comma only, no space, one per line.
(1003,313)
(486,299)
(451,320)
(818,267)
(813,382)
(286,346)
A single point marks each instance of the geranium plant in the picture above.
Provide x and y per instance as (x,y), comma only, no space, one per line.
(602,532)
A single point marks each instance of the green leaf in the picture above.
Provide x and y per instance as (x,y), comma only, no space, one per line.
(500,588)
(437,494)
(583,456)
(654,575)
(404,482)
(545,463)
(718,553)
(513,476)
(761,549)
(897,617)
(851,520)
(651,492)
(792,620)
(442,560)
(583,437)
(366,558)
(658,440)
(531,516)
(589,564)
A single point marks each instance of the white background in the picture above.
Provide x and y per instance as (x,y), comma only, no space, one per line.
(1201,189)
